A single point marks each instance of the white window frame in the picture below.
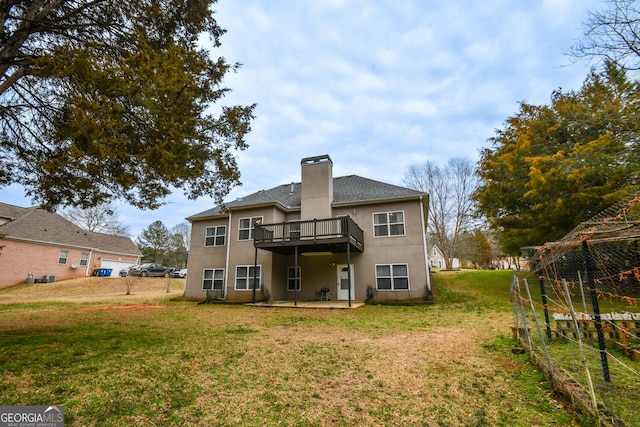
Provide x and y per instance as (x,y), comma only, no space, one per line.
(392,277)
(84,259)
(252,223)
(213,279)
(249,278)
(388,224)
(63,258)
(215,236)
(291,279)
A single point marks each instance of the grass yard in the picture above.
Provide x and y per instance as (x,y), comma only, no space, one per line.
(146,360)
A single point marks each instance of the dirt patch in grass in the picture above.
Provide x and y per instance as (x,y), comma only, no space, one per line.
(129,307)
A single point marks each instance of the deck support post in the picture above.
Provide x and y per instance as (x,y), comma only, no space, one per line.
(349,271)
(255,270)
(295,278)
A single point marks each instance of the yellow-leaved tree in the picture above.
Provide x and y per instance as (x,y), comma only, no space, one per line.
(553,166)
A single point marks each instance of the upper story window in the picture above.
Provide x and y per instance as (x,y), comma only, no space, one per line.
(388,224)
(246,227)
(214,236)
(64,257)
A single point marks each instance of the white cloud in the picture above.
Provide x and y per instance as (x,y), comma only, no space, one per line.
(381,85)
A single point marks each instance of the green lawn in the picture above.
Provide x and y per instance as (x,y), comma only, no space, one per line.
(176,363)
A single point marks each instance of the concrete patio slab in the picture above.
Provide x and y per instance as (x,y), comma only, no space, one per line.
(308,304)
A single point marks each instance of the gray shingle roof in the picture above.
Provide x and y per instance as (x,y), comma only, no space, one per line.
(41,226)
(351,189)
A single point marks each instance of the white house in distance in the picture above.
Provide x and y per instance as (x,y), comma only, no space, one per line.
(438,260)
(346,238)
(436,257)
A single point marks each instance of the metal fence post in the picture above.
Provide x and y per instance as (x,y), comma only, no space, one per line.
(590,268)
(544,305)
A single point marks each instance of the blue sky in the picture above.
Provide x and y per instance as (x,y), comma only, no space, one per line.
(379,85)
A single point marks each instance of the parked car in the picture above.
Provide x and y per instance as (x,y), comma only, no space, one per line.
(151,270)
(125,271)
(180,273)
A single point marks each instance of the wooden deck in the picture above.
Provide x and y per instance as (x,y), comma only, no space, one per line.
(319,235)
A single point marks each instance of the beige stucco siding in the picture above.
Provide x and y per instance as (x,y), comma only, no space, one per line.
(239,252)
(316,271)
(203,257)
(407,249)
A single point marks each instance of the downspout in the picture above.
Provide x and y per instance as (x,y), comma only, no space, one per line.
(226,262)
(86,270)
(424,241)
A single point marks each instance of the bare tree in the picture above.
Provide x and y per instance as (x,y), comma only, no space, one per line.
(612,34)
(477,248)
(183,230)
(451,208)
(129,282)
(179,244)
(101,219)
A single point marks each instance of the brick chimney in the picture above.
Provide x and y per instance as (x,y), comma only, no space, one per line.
(317,187)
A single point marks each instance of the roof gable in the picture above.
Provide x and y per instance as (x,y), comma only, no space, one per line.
(39,225)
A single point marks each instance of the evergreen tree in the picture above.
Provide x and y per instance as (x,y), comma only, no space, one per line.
(103,99)
(154,242)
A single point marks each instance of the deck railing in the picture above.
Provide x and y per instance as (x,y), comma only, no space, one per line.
(315,231)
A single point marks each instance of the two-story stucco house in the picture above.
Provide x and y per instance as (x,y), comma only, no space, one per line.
(347,238)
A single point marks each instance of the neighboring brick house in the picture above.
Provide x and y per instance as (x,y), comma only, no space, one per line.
(34,241)
(347,238)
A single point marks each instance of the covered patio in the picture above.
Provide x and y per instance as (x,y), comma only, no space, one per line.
(317,236)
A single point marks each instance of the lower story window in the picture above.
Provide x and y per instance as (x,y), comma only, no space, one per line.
(245,277)
(392,277)
(293,279)
(213,279)
(64,256)
(84,260)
